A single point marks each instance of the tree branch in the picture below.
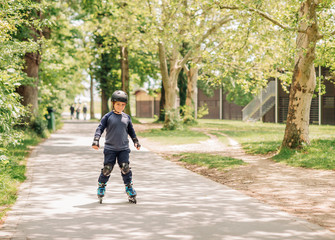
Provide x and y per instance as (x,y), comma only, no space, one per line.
(320,36)
(206,35)
(162,60)
(186,68)
(264,15)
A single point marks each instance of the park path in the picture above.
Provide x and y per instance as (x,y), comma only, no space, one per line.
(58,200)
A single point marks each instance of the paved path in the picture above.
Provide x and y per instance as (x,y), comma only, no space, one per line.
(58,200)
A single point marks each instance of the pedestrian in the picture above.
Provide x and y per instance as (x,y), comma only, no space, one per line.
(85,111)
(78,111)
(118,126)
(72,111)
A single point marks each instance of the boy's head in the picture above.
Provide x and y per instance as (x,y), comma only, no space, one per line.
(119,96)
(119,99)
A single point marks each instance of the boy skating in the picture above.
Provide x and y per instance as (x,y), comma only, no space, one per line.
(118,126)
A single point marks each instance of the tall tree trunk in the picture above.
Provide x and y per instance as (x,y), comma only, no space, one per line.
(303,80)
(170,82)
(162,104)
(192,79)
(104,103)
(92,115)
(29,92)
(125,75)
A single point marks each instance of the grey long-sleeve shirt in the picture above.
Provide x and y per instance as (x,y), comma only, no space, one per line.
(118,127)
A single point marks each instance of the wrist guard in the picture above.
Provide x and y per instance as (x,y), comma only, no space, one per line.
(95,142)
(136,143)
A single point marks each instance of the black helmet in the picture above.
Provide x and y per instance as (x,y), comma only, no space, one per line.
(119,96)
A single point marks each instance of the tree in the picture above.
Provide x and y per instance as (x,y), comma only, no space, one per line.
(175,23)
(11,110)
(61,71)
(302,18)
(35,28)
(107,70)
(120,23)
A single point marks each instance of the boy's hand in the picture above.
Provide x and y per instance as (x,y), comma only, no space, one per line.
(138,146)
(95,144)
(136,143)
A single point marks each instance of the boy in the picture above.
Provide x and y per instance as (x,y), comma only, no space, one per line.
(118,126)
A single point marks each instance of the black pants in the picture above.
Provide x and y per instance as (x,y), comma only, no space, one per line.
(121,157)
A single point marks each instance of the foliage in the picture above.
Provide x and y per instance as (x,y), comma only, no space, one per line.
(12,168)
(173,121)
(188,114)
(106,68)
(39,126)
(11,110)
(62,69)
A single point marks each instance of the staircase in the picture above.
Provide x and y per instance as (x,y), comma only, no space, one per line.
(261,104)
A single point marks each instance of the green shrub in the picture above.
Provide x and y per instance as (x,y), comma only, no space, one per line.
(188,113)
(39,125)
(172,120)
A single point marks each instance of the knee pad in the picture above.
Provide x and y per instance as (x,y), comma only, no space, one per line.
(125,168)
(106,171)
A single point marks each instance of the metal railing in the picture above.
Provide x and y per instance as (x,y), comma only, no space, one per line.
(261,104)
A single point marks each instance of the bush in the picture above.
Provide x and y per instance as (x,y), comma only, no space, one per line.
(172,120)
(188,113)
(39,125)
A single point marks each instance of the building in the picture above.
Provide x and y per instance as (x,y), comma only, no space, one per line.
(147,106)
(271,105)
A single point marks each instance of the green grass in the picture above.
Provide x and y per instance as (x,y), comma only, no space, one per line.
(12,170)
(260,138)
(255,137)
(263,138)
(210,160)
(319,155)
(175,137)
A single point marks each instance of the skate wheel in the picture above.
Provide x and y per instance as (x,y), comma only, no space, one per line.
(132,200)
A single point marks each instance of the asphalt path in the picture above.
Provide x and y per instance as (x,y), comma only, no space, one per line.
(58,200)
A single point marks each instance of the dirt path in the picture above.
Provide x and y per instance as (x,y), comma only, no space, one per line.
(306,193)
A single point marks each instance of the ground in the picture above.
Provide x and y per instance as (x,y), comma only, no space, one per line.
(306,193)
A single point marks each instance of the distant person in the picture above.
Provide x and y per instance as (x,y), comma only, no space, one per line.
(78,112)
(72,111)
(118,126)
(85,111)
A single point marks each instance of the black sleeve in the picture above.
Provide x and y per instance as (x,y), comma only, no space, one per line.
(131,131)
(100,129)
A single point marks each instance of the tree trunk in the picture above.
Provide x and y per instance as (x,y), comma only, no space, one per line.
(192,79)
(170,82)
(162,104)
(125,75)
(92,115)
(303,80)
(104,103)
(29,92)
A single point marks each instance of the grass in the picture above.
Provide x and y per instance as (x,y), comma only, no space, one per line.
(255,137)
(319,155)
(175,137)
(12,170)
(210,160)
(261,138)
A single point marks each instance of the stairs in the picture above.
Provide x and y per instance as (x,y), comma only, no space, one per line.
(261,104)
